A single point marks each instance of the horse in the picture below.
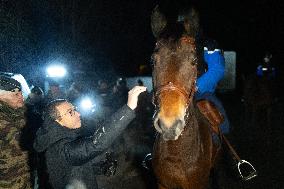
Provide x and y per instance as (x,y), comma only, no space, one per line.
(259,101)
(183,153)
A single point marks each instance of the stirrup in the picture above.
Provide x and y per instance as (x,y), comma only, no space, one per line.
(250,173)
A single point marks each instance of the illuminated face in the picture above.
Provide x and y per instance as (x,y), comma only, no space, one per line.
(69,117)
(266,59)
(13,98)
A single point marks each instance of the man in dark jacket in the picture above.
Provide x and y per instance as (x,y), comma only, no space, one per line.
(69,157)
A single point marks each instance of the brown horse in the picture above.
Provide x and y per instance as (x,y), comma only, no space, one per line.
(259,97)
(184,153)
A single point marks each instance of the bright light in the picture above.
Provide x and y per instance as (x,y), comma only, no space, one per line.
(56,71)
(86,104)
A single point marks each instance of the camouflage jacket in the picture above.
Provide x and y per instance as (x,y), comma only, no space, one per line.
(14,169)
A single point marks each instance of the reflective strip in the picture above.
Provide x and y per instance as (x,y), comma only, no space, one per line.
(211,52)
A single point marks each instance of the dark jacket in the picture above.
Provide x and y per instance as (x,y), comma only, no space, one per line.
(69,157)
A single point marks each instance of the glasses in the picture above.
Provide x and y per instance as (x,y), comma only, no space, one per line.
(16,90)
(71,112)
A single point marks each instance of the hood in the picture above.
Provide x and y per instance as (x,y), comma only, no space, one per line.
(50,133)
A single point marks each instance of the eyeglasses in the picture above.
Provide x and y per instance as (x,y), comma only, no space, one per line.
(16,90)
(71,112)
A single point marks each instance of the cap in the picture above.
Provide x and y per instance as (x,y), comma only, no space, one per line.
(8,83)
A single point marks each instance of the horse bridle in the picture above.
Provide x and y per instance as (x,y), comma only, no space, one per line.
(170,86)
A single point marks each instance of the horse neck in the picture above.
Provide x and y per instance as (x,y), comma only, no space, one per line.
(191,120)
(196,121)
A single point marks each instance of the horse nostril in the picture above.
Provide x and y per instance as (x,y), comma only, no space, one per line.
(178,124)
(157,125)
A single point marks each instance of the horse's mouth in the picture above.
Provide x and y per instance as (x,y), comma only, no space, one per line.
(170,133)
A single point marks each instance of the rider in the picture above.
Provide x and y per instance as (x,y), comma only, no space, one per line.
(265,68)
(207,82)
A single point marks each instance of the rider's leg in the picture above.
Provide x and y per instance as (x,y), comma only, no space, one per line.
(225,126)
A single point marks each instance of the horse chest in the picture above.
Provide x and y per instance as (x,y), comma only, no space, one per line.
(183,163)
(171,160)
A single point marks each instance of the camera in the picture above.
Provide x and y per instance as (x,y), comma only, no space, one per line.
(109,165)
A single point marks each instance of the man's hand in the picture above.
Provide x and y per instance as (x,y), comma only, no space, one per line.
(133,96)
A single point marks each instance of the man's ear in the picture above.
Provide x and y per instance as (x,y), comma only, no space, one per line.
(59,120)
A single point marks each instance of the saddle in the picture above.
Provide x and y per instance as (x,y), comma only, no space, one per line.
(211,113)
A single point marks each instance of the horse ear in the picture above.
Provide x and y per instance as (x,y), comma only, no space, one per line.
(158,21)
(190,21)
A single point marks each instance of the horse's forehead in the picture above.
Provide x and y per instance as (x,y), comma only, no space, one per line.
(177,47)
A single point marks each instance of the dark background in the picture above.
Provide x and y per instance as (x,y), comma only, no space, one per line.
(108,37)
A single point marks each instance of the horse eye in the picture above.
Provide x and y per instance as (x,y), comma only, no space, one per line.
(155,50)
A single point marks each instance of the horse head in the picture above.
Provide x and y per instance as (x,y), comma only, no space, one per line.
(174,71)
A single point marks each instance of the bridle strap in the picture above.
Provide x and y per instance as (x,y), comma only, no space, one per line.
(172,87)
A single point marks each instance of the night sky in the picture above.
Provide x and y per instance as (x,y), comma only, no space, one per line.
(114,36)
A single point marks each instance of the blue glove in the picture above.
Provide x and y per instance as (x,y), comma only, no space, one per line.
(211,44)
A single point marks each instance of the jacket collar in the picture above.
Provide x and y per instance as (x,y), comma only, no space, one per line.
(50,133)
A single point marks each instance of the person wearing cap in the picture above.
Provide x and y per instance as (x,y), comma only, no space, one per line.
(266,68)
(35,101)
(69,156)
(14,167)
(54,92)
